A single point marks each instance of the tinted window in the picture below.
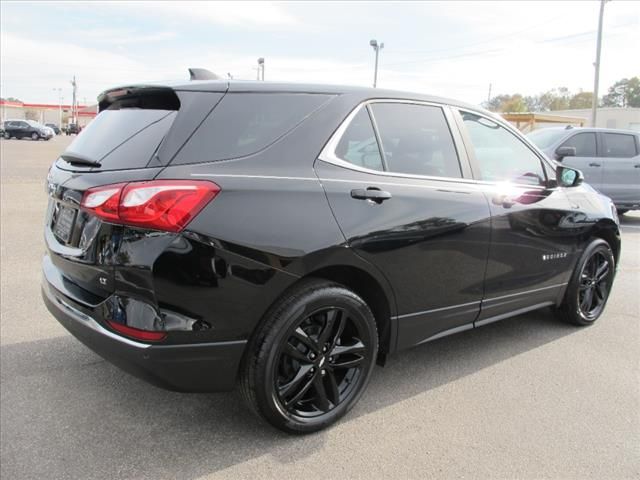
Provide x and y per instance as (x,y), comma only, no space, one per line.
(501,156)
(619,145)
(358,144)
(110,137)
(245,123)
(416,139)
(584,143)
(546,137)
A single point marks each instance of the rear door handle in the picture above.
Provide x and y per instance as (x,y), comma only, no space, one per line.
(371,193)
(594,164)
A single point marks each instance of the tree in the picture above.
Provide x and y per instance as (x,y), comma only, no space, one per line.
(581,100)
(507,103)
(11,99)
(623,93)
(556,99)
(31,115)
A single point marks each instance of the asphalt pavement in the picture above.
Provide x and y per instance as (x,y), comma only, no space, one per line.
(528,397)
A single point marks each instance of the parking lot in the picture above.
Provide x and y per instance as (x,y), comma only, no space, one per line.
(525,398)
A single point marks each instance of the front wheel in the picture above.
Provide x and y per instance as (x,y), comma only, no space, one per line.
(590,285)
(35,136)
(7,135)
(311,359)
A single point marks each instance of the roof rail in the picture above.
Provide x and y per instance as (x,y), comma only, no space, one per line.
(568,127)
(202,74)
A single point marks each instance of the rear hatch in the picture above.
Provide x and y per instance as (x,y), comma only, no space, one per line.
(122,144)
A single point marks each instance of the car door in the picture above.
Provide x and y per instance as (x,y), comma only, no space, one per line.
(23,129)
(402,194)
(14,129)
(621,167)
(533,240)
(586,158)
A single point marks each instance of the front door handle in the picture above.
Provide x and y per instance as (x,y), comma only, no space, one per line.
(594,164)
(371,193)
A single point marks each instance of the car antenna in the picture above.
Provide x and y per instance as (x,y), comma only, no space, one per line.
(202,74)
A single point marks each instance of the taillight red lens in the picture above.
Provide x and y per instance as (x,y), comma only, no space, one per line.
(104,201)
(157,204)
(136,333)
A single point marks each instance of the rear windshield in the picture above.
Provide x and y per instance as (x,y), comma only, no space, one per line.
(546,137)
(245,123)
(123,139)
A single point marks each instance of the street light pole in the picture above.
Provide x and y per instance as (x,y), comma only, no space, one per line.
(376,47)
(596,80)
(261,68)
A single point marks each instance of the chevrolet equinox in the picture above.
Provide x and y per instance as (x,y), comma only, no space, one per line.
(288,237)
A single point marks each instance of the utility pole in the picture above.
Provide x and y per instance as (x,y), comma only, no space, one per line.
(74,106)
(489,96)
(376,47)
(596,80)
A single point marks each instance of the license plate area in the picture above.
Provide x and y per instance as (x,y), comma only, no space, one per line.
(63,222)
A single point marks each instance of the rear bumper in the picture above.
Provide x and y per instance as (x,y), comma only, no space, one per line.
(197,367)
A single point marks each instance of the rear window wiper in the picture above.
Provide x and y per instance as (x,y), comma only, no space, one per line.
(79,160)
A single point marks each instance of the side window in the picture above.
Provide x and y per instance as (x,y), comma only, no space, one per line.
(619,145)
(243,124)
(502,156)
(584,143)
(358,144)
(416,139)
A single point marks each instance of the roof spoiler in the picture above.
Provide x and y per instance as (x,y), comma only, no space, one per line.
(202,74)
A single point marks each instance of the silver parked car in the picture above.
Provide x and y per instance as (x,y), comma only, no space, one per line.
(609,159)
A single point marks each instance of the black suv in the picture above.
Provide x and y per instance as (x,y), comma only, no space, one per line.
(287,237)
(25,129)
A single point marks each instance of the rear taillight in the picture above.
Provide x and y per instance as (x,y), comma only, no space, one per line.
(157,204)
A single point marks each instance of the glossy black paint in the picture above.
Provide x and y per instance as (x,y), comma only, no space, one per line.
(438,256)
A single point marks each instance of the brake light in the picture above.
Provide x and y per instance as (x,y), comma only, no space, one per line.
(157,204)
(136,333)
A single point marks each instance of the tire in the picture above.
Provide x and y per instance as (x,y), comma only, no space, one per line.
(622,211)
(35,136)
(590,285)
(7,135)
(288,379)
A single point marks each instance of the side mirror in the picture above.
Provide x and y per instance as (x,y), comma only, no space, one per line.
(562,152)
(568,177)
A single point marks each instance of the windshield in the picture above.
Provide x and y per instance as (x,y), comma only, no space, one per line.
(35,124)
(546,137)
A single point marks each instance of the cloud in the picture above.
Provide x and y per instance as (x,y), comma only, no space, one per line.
(117,36)
(28,65)
(244,14)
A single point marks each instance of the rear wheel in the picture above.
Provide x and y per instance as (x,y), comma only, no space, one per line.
(312,357)
(7,135)
(590,285)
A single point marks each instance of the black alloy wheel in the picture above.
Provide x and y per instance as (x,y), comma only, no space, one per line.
(590,285)
(594,288)
(311,358)
(320,363)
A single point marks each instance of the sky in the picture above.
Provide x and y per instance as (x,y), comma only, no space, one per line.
(454,49)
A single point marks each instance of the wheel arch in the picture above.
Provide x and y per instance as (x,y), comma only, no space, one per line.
(373,293)
(609,231)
